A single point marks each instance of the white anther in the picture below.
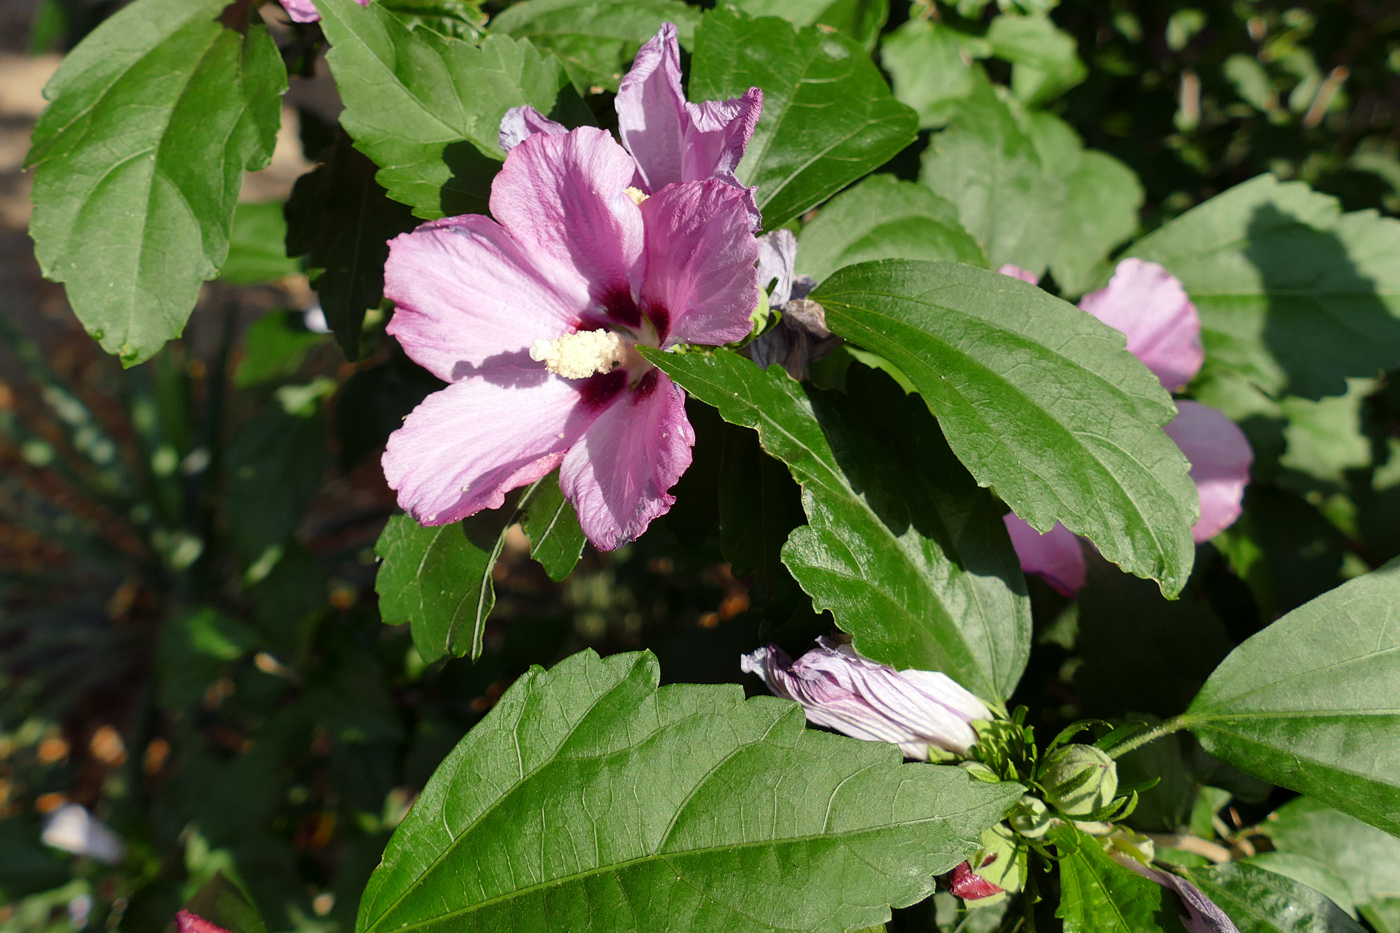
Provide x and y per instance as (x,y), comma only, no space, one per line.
(577,356)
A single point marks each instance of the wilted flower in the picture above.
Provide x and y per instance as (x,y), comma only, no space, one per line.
(672,139)
(1202,915)
(800,337)
(916,710)
(1149,305)
(1079,780)
(534,319)
(73,829)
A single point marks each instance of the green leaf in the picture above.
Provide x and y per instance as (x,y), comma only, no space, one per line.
(194,647)
(1310,872)
(1044,61)
(426,108)
(884,218)
(1038,400)
(257,250)
(1313,701)
(274,347)
(862,20)
(930,67)
(595,39)
(1261,901)
(988,166)
(903,548)
(341,220)
(457,19)
(589,799)
(1294,296)
(437,580)
(828,117)
(140,156)
(222,902)
(1368,859)
(1098,895)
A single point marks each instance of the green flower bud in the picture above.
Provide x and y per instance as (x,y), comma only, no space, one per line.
(1030,817)
(1079,780)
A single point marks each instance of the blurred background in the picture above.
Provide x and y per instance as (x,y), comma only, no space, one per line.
(194,677)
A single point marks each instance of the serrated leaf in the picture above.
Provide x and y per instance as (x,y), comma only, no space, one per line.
(257,250)
(1261,901)
(589,799)
(910,557)
(1038,399)
(859,19)
(828,117)
(1294,296)
(1098,895)
(340,219)
(222,902)
(438,581)
(154,118)
(1044,60)
(427,108)
(988,166)
(1313,701)
(595,39)
(1366,858)
(458,19)
(930,68)
(884,218)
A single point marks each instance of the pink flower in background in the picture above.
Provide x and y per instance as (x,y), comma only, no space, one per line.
(186,922)
(1148,304)
(533,318)
(304,11)
(672,140)
(916,710)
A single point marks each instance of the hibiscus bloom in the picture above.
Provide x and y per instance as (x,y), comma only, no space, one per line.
(1149,305)
(839,689)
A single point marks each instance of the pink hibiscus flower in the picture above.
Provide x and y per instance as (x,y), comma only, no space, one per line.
(304,11)
(533,319)
(1148,304)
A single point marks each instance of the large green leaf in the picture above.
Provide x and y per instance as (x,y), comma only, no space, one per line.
(930,68)
(1366,858)
(438,579)
(859,19)
(1313,701)
(589,799)
(987,165)
(828,117)
(884,218)
(1038,399)
(257,250)
(1262,901)
(1098,895)
(903,548)
(595,39)
(1294,296)
(140,157)
(426,108)
(1044,60)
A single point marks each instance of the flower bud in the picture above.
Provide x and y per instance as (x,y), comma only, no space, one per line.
(994,871)
(1079,780)
(1030,817)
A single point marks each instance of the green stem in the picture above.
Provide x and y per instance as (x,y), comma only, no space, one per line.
(1137,741)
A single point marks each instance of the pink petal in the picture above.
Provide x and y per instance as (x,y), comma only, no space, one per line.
(466,446)
(467,297)
(520,123)
(1056,556)
(651,115)
(720,130)
(186,922)
(304,11)
(618,475)
(968,885)
(701,284)
(1016,272)
(564,198)
(1220,460)
(1147,303)
(777,257)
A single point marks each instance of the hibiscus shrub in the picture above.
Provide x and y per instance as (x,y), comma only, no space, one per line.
(756,466)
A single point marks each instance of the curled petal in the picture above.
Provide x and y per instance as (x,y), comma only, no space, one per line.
(1057,556)
(468,298)
(701,284)
(564,199)
(520,123)
(618,475)
(1016,272)
(839,689)
(1148,304)
(466,446)
(651,115)
(1220,458)
(720,131)
(1202,915)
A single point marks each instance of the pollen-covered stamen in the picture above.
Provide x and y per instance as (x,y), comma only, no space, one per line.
(637,195)
(577,356)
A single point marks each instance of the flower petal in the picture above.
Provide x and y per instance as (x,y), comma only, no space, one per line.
(186,922)
(777,257)
(1147,303)
(1202,915)
(618,475)
(1016,272)
(304,11)
(651,113)
(701,284)
(1056,556)
(520,123)
(1220,458)
(467,297)
(466,446)
(564,198)
(719,132)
